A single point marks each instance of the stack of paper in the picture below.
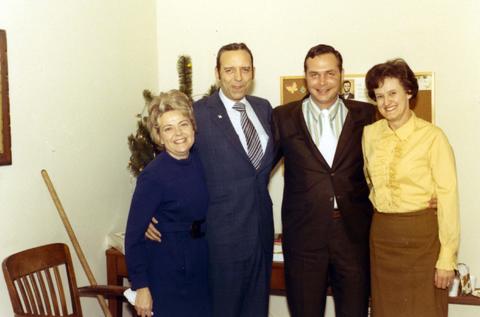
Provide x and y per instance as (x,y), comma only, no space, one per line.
(277,249)
(117,241)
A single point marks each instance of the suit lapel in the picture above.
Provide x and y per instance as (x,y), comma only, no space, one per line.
(345,135)
(353,120)
(265,121)
(299,117)
(219,116)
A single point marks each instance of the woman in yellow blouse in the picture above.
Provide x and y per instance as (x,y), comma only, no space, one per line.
(407,161)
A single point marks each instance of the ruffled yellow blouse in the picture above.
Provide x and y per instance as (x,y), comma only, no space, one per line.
(405,168)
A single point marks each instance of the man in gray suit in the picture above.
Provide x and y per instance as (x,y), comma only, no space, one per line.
(236,148)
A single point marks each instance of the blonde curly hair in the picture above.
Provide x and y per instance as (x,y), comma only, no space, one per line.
(167,101)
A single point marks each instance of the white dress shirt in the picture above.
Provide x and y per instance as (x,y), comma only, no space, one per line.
(235,118)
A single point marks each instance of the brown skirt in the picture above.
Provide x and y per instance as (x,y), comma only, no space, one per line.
(404,248)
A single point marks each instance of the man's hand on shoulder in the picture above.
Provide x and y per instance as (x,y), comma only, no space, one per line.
(432,203)
(152,233)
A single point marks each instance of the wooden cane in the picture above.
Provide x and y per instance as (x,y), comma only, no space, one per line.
(73,239)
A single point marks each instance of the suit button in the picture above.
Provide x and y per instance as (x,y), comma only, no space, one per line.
(332,174)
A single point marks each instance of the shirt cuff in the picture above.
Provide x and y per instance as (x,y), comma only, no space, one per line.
(447,260)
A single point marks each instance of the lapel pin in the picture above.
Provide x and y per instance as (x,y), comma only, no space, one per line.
(219,116)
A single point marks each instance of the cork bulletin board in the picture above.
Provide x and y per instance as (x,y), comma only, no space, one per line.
(294,88)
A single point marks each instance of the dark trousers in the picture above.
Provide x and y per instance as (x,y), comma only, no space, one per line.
(241,289)
(340,263)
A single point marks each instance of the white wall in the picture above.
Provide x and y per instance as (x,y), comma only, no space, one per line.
(432,35)
(76,73)
(77,69)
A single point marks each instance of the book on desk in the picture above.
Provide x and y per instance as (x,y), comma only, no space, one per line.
(277,249)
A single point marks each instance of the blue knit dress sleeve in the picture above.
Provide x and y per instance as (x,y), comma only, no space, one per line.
(145,202)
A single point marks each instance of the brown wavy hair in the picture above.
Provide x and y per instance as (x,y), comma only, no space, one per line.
(394,68)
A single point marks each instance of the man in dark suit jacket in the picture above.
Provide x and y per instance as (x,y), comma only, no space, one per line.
(239,219)
(326,213)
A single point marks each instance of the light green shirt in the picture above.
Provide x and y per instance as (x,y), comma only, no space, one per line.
(311,112)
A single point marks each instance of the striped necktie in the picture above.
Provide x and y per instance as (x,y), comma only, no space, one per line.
(255,152)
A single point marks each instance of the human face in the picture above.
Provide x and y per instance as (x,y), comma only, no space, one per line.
(235,75)
(176,133)
(393,102)
(323,79)
(346,86)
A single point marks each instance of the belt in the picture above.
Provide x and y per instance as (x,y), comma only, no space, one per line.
(197,228)
(336,214)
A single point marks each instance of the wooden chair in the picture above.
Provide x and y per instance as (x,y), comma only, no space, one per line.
(34,281)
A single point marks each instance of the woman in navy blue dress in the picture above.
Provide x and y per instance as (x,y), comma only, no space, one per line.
(170,277)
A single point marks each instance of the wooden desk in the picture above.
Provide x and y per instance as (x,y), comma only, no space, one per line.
(117,271)
(277,282)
